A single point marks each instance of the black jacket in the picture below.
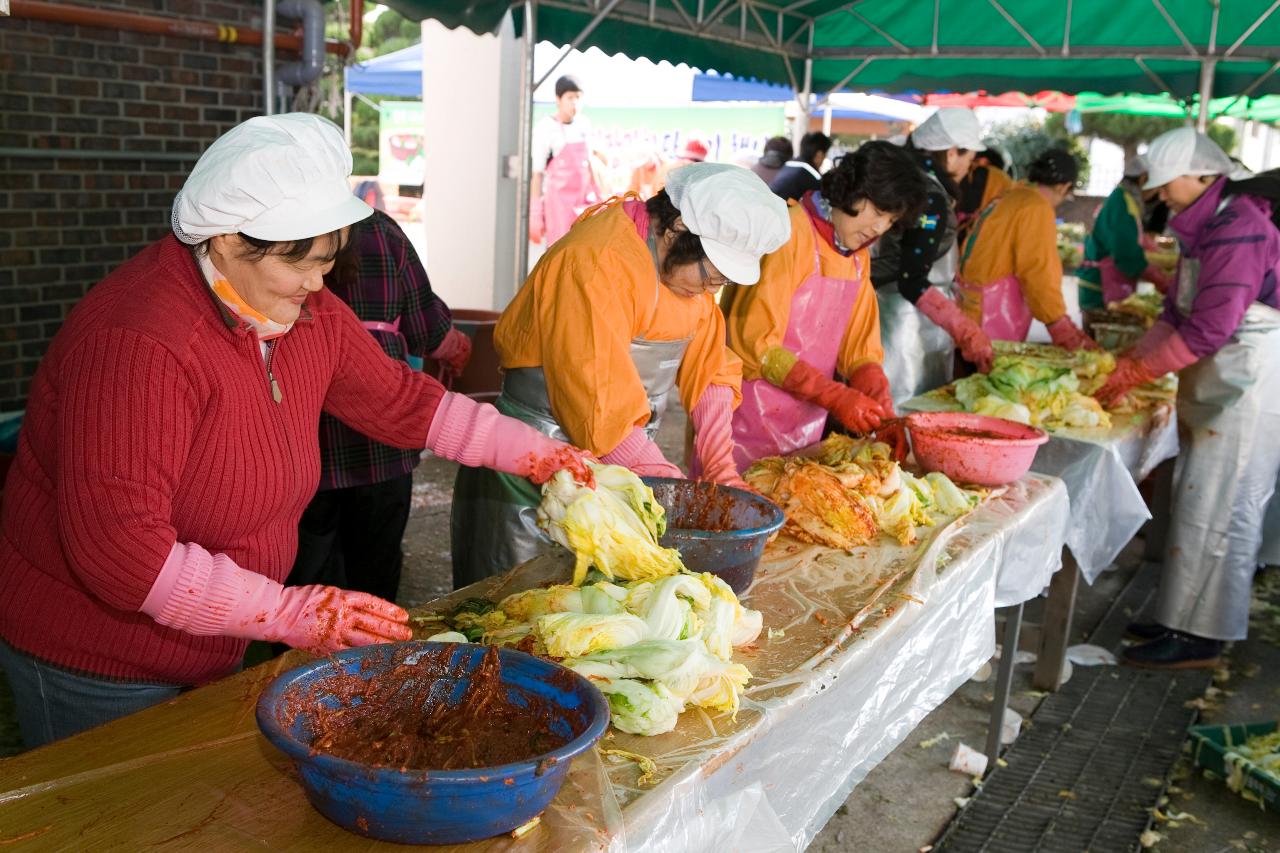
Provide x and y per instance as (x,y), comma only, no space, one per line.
(794,180)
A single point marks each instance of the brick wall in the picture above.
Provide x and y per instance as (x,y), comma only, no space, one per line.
(66,221)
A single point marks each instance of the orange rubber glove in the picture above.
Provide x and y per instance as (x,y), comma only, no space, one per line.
(1066,334)
(857,411)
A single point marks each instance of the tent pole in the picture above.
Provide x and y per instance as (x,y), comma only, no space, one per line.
(1206,92)
(525,146)
(803,97)
(347,104)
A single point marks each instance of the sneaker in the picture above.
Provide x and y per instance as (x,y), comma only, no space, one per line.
(1143,632)
(1175,650)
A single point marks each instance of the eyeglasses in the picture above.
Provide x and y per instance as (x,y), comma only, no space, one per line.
(707,280)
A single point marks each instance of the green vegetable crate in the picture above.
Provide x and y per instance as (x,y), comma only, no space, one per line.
(1214,749)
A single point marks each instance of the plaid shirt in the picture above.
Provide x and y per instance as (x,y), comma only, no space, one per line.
(390,282)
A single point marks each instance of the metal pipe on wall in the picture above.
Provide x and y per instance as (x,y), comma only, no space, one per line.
(1206,92)
(37,10)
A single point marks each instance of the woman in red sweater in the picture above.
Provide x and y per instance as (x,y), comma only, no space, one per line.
(170,443)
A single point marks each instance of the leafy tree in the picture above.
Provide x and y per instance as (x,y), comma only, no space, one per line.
(1130,131)
(1026,140)
(387,33)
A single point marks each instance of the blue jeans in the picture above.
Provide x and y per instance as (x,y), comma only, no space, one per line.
(53,703)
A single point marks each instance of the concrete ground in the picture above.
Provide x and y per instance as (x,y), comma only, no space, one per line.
(905,803)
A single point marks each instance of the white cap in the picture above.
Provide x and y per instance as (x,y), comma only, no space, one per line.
(733,212)
(281,177)
(1184,152)
(949,127)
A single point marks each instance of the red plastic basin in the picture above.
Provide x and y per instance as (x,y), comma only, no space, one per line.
(974,449)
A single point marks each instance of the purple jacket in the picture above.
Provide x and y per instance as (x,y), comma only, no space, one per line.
(1239,253)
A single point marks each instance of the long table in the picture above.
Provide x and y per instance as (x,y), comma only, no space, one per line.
(859,647)
(1101,469)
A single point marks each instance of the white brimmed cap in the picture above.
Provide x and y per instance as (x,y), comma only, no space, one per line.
(1136,166)
(281,177)
(734,214)
(949,127)
(1184,152)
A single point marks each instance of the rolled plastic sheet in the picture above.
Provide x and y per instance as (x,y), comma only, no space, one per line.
(858,647)
(1102,469)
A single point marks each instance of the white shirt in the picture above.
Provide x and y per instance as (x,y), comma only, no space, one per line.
(550,137)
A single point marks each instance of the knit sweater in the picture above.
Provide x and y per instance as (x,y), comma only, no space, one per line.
(150,421)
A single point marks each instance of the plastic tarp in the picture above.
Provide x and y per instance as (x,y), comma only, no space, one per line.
(863,645)
(1102,469)
(1033,45)
(398,73)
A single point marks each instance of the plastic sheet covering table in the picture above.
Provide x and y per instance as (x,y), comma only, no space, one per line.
(863,646)
(1102,469)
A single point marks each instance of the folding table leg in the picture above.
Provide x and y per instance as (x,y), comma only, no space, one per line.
(1161,511)
(1056,625)
(1004,682)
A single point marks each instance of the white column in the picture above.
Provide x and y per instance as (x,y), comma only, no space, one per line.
(469,132)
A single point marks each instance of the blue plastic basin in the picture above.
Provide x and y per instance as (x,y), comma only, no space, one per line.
(430,806)
(715,528)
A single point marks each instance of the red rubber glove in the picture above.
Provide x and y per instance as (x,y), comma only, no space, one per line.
(870,379)
(639,453)
(974,344)
(537,222)
(209,595)
(1066,334)
(453,353)
(713,437)
(852,408)
(1161,350)
(1158,277)
(477,435)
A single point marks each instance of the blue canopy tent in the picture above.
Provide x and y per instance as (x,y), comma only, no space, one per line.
(398,73)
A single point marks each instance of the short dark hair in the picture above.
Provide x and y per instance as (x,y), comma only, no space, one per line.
(781,145)
(1053,167)
(254,249)
(567,84)
(881,173)
(686,248)
(813,144)
(994,157)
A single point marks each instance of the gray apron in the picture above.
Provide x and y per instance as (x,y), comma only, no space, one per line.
(494,524)
(1228,406)
(918,354)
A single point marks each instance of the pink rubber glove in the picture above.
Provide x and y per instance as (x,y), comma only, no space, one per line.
(453,353)
(1066,334)
(479,436)
(974,344)
(713,437)
(1167,354)
(209,595)
(537,221)
(1152,340)
(638,452)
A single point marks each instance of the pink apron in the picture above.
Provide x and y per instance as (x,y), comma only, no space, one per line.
(568,188)
(771,421)
(1004,311)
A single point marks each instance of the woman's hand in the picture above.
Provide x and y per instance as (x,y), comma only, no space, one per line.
(325,619)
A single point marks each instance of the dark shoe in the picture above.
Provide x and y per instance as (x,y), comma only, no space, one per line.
(1175,650)
(1143,632)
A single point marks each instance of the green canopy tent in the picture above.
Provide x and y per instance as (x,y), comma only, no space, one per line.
(1183,48)
(1265,108)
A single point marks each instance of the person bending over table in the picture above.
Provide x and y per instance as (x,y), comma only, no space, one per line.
(814,313)
(1010,272)
(170,443)
(1220,331)
(615,317)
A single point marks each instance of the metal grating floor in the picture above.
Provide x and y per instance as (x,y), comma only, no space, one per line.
(1075,779)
